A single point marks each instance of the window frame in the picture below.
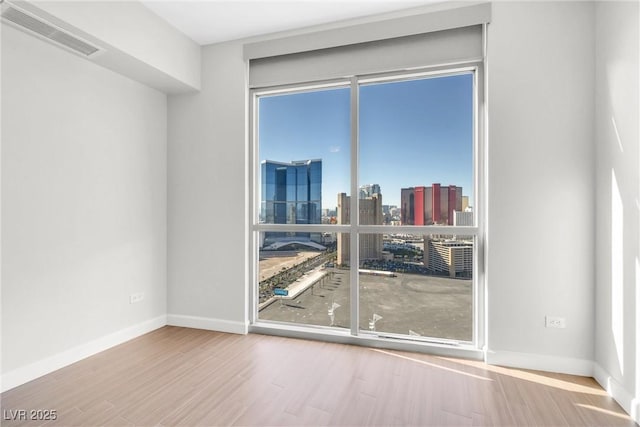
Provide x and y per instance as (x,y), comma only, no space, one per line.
(355,334)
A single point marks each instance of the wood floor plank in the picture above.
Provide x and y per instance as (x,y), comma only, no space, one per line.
(186,377)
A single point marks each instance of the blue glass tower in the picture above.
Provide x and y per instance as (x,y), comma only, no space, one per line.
(291,194)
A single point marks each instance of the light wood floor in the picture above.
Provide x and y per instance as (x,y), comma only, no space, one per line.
(177,376)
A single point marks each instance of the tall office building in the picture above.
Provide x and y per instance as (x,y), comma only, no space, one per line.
(291,194)
(370,214)
(407,206)
(368,190)
(430,205)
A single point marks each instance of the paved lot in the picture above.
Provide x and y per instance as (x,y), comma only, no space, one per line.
(430,306)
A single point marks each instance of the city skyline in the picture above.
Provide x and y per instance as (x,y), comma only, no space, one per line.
(411,133)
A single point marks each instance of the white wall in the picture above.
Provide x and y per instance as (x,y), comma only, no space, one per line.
(617,330)
(207,193)
(83,206)
(541,198)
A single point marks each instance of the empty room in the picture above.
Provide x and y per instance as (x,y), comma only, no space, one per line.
(305,212)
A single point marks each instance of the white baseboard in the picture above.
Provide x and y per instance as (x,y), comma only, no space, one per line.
(42,367)
(618,392)
(540,362)
(208,323)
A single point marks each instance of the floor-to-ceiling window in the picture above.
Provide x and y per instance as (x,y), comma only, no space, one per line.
(398,259)
(367,203)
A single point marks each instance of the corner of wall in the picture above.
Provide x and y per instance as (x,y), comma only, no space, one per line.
(616,390)
(209,324)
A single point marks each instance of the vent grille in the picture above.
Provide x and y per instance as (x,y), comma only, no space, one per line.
(48,31)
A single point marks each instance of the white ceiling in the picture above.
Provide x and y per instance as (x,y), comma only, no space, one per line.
(214,21)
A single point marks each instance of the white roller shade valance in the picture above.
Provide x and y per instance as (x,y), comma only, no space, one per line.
(443,37)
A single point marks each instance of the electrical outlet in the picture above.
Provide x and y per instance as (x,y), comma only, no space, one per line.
(555,322)
(137,297)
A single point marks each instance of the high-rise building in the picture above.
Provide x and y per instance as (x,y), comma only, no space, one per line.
(407,206)
(291,194)
(463,218)
(429,205)
(368,190)
(370,214)
(436,204)
(419,200)
(449,256)
(465,203)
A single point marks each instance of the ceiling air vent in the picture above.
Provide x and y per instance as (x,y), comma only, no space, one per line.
(26,21)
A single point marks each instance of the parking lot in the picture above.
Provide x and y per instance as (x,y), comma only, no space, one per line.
(430,306)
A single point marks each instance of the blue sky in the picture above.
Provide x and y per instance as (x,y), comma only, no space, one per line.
(412,133)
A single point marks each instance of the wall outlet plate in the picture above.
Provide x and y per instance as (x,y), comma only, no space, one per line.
(555,322)
(137,297)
